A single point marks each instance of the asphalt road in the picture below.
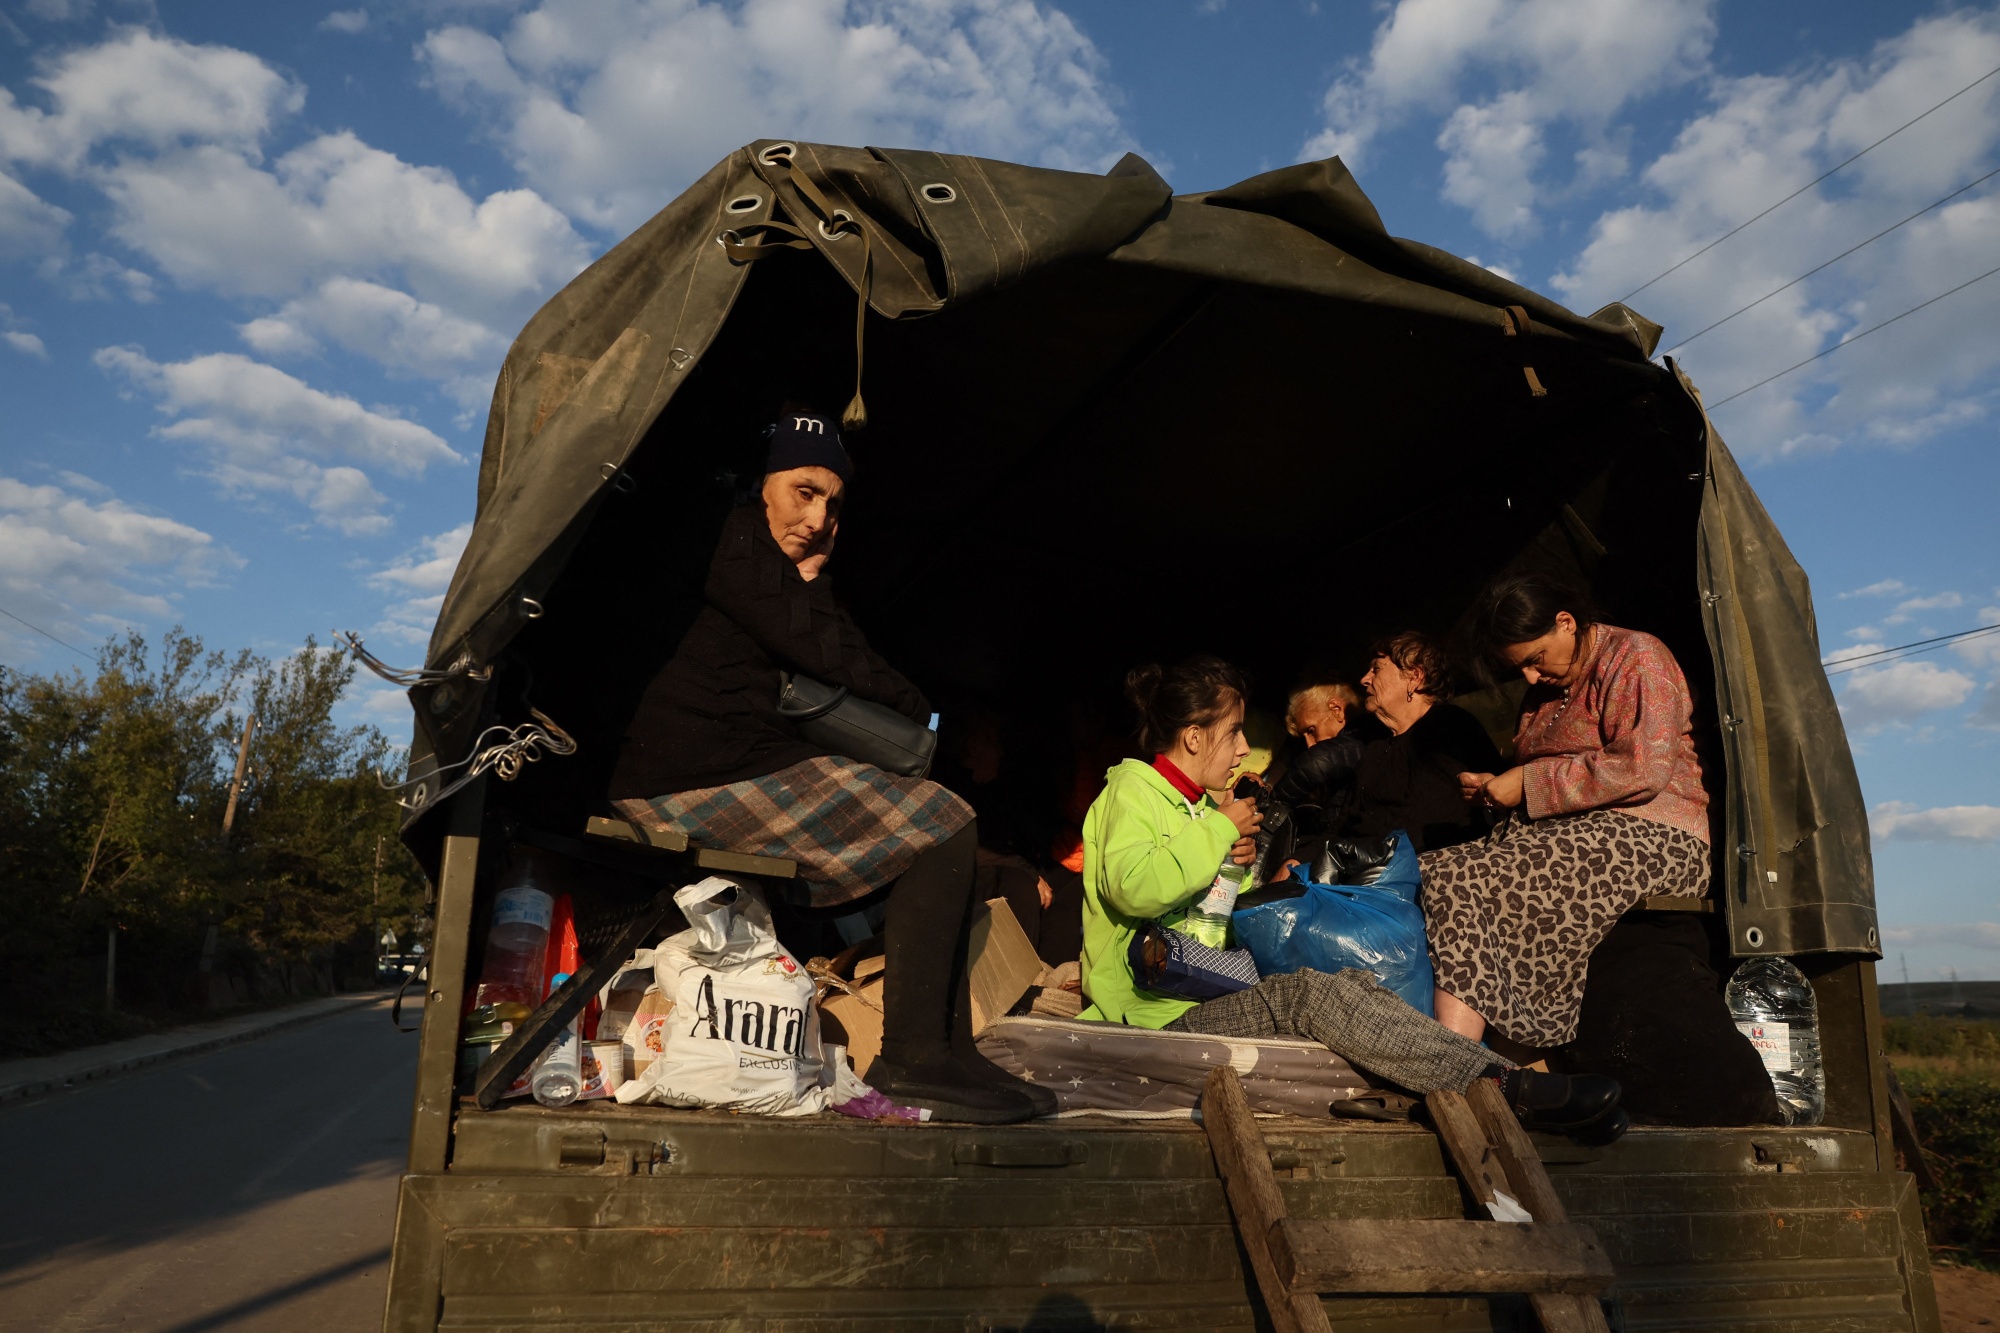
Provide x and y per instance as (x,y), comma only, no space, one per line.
(251,1188)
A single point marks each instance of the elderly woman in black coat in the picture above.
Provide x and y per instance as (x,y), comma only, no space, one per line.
(707,753)
(1405,775)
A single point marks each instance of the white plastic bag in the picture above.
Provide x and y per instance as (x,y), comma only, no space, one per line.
(742,1033)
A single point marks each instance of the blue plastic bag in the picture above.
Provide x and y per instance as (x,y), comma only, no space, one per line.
(1331,927)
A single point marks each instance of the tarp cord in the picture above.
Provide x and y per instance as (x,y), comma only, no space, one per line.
(501,750)
(834,222)
(408,676)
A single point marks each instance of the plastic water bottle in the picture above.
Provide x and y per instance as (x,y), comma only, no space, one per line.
(515,947)
(558,1074)
(1773,1005)
(1208,916)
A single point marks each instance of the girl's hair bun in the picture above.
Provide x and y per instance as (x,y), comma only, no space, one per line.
(1194,693)
(1141,684)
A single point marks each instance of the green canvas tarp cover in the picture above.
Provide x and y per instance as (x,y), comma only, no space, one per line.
(1091,355)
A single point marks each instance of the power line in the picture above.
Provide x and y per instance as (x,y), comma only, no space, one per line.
(1849,342)
(45,634)
(1835,260)
(1842,665)
(1809,184)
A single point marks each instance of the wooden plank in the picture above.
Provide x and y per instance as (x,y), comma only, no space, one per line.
(1244,1163)
(1465,1142)
(624,830)
(451,937)
(745,863)
(1519,1163)
(1661,902)
(1405,1255)
(1523,1169)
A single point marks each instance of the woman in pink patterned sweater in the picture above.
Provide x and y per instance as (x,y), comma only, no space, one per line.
(1608,808)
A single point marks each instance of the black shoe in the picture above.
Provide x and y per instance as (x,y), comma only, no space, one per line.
(994,1076)
(1602,1133)
(1561,1103)
(948,1092)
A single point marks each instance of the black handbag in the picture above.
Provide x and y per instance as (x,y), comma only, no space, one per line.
(838,723)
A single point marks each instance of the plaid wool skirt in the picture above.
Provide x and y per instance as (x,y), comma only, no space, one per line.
(851,827)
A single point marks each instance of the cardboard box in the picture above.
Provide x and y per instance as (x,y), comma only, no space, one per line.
(1004,965)
(855,1021)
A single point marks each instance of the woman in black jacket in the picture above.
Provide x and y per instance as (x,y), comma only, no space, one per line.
(708,754)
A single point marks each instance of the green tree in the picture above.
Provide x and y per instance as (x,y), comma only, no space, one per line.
(311,821)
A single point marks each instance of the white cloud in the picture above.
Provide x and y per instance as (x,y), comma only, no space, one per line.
(1971,934)
(25,343)
(97,277)
(59,11)
(1910,606)
(1983,650)
(143,88)
(349,21)
(1948,823)
(80,567)
(264,431)
(29,224)
(392,327)
(423,575)
(1880,588)
(210,217)
(1767,136)
(613,109)
(1570,62)
(1901,692)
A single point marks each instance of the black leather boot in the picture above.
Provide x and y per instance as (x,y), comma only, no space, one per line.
(1561,1103)
(936,1082)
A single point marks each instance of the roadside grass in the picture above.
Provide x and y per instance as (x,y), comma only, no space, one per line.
(1950,1068)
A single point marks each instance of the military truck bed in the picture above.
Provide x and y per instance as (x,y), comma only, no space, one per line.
(628,1219)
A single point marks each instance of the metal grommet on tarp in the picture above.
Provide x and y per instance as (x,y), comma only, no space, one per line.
(1874,940)
(777,154)
(1754,937)
(937,192)
(839,225)
(744,203)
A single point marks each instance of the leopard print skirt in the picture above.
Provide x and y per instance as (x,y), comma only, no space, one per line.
(1513,918)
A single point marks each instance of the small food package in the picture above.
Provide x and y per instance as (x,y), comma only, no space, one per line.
(645,1037)
(603,1069)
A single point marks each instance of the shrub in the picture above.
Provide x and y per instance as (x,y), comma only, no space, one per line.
(1958,1122)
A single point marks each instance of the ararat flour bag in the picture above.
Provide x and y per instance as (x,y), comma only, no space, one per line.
(741,1033)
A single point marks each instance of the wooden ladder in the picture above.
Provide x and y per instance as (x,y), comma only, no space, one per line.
(1558,1264)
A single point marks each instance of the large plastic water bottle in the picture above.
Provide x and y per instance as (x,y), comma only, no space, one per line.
(557,1079)
(516,945)
(1773,1005)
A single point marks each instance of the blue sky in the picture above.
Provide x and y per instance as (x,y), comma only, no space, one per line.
(258,265)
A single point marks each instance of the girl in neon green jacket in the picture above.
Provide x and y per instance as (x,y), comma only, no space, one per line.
(1154,838)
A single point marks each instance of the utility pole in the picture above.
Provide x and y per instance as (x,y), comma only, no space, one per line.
(111,969)
(236,783)
(375,905)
